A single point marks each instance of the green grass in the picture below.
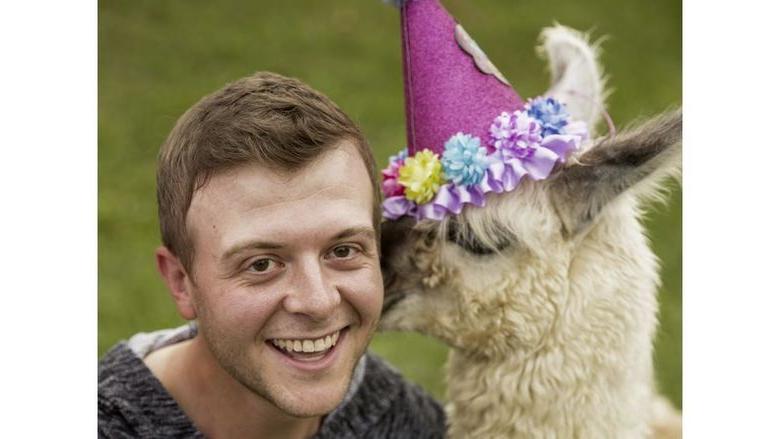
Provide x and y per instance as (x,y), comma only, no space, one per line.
(156,58)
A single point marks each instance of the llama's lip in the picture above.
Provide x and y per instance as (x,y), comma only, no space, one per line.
(391,300)
(388,277)
(392,295)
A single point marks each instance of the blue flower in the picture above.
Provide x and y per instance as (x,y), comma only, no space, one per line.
(550,113)
(464,160)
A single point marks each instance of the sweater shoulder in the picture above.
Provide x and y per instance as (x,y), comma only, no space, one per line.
(115,410)
(413,412)
(387,406)
(133,403)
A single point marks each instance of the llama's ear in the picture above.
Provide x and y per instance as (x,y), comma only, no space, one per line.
(576,78)
(637,161)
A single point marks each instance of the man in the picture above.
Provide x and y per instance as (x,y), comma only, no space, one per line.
(269,215)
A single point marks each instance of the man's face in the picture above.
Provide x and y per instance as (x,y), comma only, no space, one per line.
(287,262)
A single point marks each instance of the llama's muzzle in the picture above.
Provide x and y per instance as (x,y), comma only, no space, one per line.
(395,235)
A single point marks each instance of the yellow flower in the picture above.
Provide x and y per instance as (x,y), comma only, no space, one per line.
(421,175)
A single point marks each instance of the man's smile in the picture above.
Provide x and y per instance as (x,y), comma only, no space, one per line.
(309,351)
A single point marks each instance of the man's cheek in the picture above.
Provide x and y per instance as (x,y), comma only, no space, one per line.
(241,314)
(368,300)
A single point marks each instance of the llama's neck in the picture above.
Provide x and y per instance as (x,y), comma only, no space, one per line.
(551,395)
(591,377)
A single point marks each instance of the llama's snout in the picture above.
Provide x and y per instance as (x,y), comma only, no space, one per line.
(395,237)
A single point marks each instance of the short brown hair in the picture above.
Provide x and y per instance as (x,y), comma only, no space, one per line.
(264,118)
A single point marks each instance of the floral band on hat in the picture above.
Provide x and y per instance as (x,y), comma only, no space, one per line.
(529,141)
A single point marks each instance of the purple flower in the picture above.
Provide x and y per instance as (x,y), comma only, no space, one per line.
(516,134)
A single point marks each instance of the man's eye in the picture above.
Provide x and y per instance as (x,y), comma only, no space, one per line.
(262,265)
(343,251)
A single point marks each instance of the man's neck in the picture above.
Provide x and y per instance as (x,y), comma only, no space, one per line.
(218,405)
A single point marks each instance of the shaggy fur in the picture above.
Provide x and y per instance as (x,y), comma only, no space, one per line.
(547,295)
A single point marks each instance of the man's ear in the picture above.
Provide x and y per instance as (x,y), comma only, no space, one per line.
(636,161)
(178,282)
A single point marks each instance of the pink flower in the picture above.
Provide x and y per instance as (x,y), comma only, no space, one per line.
(390,185)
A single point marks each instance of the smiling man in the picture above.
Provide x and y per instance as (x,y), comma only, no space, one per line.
(269,215)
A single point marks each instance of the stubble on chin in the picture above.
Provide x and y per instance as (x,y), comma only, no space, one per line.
(239,365)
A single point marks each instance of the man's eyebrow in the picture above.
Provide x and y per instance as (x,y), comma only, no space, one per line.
(365,231)
(247,245)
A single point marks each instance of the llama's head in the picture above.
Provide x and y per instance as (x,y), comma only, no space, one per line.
(495,279)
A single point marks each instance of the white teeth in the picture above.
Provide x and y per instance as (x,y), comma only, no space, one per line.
(308,345)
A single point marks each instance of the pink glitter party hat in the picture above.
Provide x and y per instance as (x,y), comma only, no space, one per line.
(450,84)
(468,132)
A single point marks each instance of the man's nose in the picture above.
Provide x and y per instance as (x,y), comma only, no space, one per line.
(312,293)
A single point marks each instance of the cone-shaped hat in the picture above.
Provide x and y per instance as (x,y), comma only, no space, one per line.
(468,132)
(450,84)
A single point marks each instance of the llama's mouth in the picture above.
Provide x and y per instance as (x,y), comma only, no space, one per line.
(392,295)
(391,300)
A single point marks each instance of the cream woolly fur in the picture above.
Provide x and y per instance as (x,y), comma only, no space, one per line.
(552,330)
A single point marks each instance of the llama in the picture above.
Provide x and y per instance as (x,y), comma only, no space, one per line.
(547,295)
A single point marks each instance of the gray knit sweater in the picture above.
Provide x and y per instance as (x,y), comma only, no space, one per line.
(132,403)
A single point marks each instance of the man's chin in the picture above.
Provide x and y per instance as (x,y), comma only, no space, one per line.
(310,401)
(312,389)
(305,412)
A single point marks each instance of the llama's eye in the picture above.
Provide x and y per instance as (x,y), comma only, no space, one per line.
(463,237)
(430,238)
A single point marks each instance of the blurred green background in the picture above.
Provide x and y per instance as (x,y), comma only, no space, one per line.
(156,58)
